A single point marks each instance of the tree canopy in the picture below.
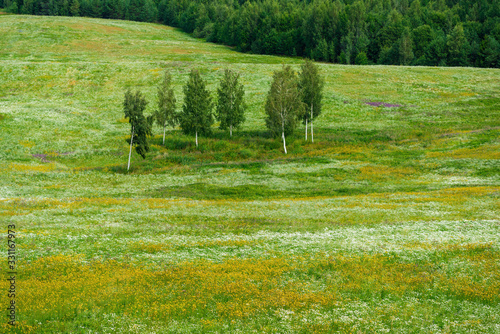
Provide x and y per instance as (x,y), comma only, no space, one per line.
(230,103)
(140,126)
(166,114)
(311,92)
(196,116)
(283,105)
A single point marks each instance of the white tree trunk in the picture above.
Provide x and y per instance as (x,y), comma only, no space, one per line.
(231,126)
(284,142)
(306,129)
(130,153)
(196,139)
(164,134)
(312,134)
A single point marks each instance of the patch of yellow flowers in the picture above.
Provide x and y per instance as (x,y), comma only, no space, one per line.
(64,285)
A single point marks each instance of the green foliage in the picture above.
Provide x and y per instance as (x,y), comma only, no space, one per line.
(140,126)
(321,51)
(436,53)
(422,36)
(490,49)
(142,10)
(230,103)
(405,48)
(283,104)
(196,116)
(361,59)
(166,114)
(342,58)
(311,86)
(74,9)
(347,43)
(11,7)
(458,47)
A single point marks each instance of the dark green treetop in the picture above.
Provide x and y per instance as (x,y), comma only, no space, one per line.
(230,103)
(140,126)
(196,116)
(283,105)
(311,89)
(165,114)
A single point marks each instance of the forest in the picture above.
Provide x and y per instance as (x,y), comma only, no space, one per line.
(363,32)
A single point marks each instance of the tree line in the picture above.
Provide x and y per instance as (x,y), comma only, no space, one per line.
(291,98)
(391,32)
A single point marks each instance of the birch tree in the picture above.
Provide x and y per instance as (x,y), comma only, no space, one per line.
(311,91)
(230,103)
(283,105)
(165,114)
(196,116)
(140,126)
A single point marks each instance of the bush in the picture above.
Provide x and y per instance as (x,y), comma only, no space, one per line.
(361,59)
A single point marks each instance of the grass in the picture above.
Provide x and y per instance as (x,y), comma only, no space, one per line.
(388,222)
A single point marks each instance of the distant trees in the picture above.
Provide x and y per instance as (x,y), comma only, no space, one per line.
(196,116)
(347,31)
(283,104)
(405,48)
(230,110)
(142,10)
(10,6)
(140,126)
(165,114)
(436,53)
(421,36)
(74,9)
(490,50)
(350,32)
(311,92)
(458,46)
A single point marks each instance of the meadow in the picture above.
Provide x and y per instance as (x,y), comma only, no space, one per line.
(388,222)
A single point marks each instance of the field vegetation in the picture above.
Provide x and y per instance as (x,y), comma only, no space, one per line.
(387,222)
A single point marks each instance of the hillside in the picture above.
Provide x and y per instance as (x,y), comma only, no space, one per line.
(362,32)
(388,221)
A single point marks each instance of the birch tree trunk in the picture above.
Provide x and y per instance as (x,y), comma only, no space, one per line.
(130,153)
(306,129)
(196,139)
(284,142)
(312,135)
(231,126)
(164,134)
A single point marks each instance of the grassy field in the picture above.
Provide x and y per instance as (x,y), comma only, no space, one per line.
(388,222)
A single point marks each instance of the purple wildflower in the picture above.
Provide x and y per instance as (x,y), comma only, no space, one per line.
(41,156)
(387,105)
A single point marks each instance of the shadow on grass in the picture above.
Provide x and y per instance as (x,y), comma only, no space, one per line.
(220,141)
(204,191)
(251,149)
